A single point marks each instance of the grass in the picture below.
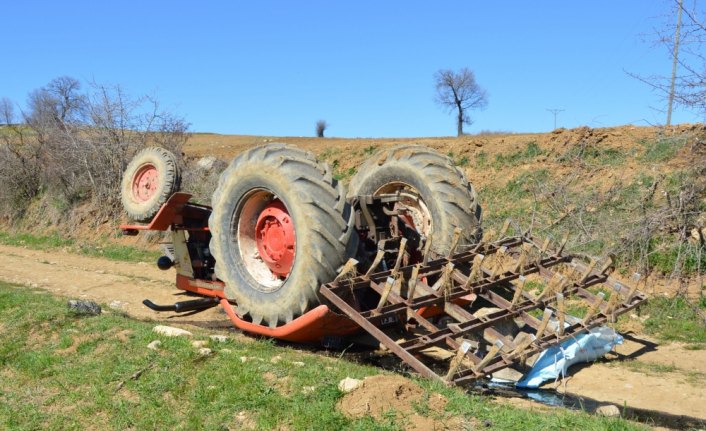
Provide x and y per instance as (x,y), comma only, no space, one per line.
(661,149)
(63,372)
(673,319)
(461,161)
(54,241)
(531,151)
(597,155)
(664,256)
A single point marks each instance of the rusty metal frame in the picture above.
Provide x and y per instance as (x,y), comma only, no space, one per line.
(494,284)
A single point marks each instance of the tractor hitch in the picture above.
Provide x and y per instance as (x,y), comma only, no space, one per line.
(183,306)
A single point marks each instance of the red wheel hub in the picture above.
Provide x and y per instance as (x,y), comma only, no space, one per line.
(275,238)
(145,183)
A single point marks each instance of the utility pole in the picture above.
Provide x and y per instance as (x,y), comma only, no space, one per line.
(677,36)
(555,112)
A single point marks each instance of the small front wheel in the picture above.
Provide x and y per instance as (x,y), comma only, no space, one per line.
(150,178)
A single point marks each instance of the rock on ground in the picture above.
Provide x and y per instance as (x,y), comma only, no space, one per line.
(348,385)
(170,331)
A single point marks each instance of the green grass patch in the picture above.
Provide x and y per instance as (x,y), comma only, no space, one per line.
(64,372)
(461,161)
(662,148)
(665,255)
(531,151)
(673,319)
(54,241)
(596,155)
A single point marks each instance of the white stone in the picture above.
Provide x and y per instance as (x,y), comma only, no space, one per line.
(117,305)
(199,343)
(308,389)
(205,351)
(298,363)
(243,359)
(349,385)
(154,345)
(218,338)
(608,410)
(276,359)
(171,331)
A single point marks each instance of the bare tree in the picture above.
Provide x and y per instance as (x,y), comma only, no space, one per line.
(74,144)
(321,127)
(458,91)
(690,73)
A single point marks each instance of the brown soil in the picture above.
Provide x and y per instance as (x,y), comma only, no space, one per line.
(350,153)
(104,281)
(667,378)
(382,395)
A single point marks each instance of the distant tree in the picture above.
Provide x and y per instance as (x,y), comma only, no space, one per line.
(458,91)
(321,126)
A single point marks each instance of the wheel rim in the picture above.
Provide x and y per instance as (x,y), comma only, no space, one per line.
(418,216)
(266,239)
(145,183)
(275,238)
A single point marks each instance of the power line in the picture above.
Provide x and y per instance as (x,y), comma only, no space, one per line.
(555,112)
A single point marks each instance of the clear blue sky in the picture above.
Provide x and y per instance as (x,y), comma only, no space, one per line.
(275,67)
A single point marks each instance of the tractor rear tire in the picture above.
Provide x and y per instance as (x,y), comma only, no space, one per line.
(262,191)
(443,188)
(150,178)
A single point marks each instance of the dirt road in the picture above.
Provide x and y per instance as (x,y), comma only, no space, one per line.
(668,378)
(121,285)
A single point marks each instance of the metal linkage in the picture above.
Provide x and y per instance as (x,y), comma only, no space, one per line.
(463,304)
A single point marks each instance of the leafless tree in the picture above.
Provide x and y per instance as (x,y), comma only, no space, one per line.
(76,144)
(458,91)
(321,127)
(19,162)
(690,80)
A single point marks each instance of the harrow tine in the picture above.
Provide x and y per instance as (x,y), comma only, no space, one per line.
(376,262)
(487,238)
(456,360)
(545,247)
(445,279)
(400,255)
(389,283)
(505,228)
(475,269)
(518,291)
(588,271)
(545,322)
(412,284)
(561,311)
(427,248)
(607,266)
(497,268)
(520,267)
(522,345)
(593,308)
(613,303)
(346,269)
(562,244)
(494,350)
(454,242)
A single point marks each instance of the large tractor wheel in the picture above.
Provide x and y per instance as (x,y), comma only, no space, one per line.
(281,226)
(150,178)
(436,192)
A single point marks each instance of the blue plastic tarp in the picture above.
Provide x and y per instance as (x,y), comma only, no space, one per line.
(585,347)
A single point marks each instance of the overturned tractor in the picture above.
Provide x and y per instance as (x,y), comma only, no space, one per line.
(289,254)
